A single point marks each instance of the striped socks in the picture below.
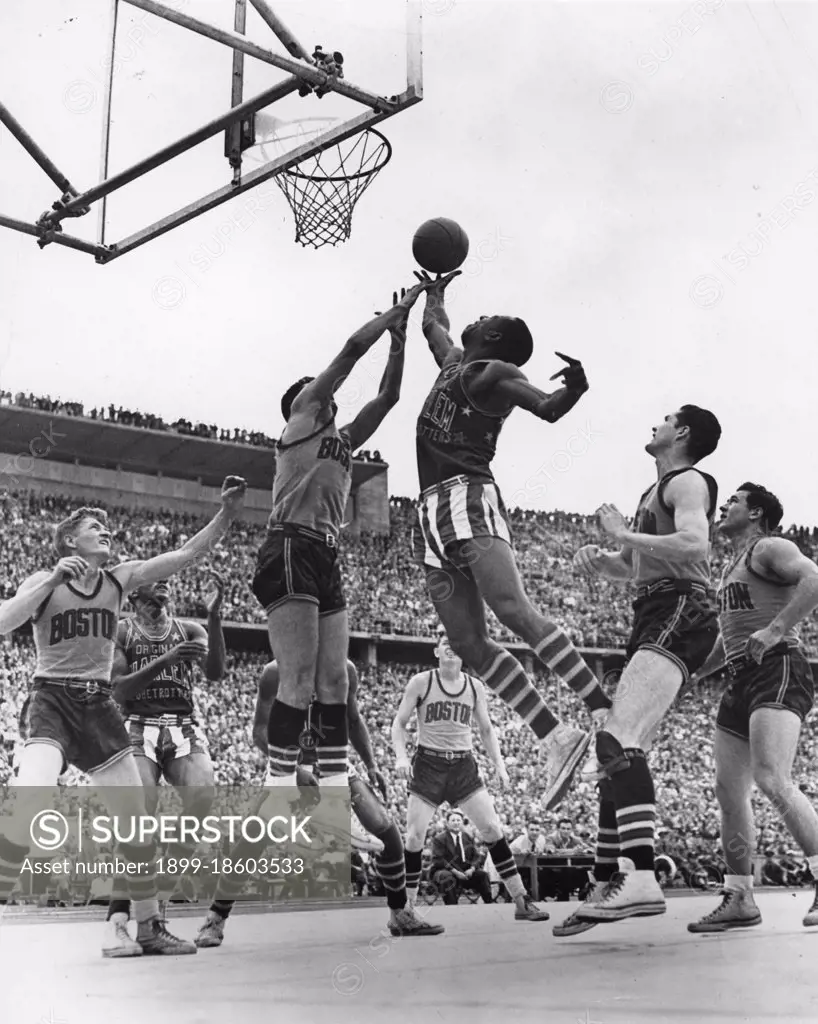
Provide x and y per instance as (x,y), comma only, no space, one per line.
(559,655)
(329,723)
(506,678)
(607,839)
(392,868)
(503,860)
(635,810)
(283,732)
(414,865)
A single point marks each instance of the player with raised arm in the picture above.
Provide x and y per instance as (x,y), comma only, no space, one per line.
(298,578)
(768,587)
(369,809)
(448,702)
(153,678)
(72,718)
(666,553)
(462,536)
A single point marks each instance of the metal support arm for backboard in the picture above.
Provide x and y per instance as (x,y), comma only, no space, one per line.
(48,228)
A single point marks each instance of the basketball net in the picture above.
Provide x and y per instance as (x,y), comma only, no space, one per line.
(323,189)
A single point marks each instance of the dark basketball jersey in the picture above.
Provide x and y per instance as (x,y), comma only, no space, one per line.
(749,602)
(169,693)
(654,516)
(454,436)
(313,480)
(75,633)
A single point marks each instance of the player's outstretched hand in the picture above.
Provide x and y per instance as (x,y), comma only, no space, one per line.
(503,777)
(233,491)
(188,650)
(71,568)
(572,375)
(436,286)
(587,559)
(378,782)
(214,601)
(612,521)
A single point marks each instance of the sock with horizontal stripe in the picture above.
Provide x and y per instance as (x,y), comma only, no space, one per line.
(140,859)
(11,861)
(635,810)
(506,678)
(503,860)
(329,724)
(414,866)
(283,733)
(607,838)
(559,655)
(391,866)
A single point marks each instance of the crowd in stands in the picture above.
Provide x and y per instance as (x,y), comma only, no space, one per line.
(387,591)
(387,596)
(148,421)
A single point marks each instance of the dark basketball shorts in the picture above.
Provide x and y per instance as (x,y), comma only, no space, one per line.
(782,680)
(295,563)
(454,511)
(438,779)
(676,619)
(85,724)
(167,737)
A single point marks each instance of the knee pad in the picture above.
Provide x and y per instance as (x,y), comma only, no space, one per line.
(610,754)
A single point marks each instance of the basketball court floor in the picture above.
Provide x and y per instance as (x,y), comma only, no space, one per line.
(336,965)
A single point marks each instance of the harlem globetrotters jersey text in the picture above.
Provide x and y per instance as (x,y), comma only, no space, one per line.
(169,693)
(445,716)
(653,516)
(748,602)
(454,436)
(312,481)
(75,633)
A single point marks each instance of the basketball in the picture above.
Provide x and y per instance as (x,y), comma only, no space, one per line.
(440,245)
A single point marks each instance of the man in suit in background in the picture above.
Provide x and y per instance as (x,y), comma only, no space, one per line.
(456,863)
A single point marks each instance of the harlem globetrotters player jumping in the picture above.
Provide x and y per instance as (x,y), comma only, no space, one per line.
(153,676)
(462,536)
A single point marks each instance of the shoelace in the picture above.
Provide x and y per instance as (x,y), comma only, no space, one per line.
(613,887)
(727,897)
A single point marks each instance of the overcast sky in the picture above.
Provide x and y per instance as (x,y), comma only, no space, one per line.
(638,182)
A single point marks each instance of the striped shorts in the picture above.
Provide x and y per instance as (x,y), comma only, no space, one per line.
(454,511)
(163,739)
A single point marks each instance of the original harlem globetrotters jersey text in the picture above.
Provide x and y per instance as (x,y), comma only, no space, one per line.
(454,437)
(171,692)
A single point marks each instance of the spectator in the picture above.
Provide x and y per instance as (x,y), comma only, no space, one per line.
(456,863)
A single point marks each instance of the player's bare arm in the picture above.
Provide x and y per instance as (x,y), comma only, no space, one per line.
(403,716)
(614,565)
(436,322)
(359,737)
(267,692)
(689,498)
(214,635)
(133,574)
(508,385)
(31,593)
(317,395)
(373,413)
(488,734)
(781,560)
(128,685)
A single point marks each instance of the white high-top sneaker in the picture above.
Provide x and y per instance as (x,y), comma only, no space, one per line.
(574,924)
(630,893)
(117,941)
(564,748)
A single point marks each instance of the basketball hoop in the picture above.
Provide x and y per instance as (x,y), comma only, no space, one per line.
(324,188)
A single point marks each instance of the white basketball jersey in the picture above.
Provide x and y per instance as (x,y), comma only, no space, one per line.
(445,716)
